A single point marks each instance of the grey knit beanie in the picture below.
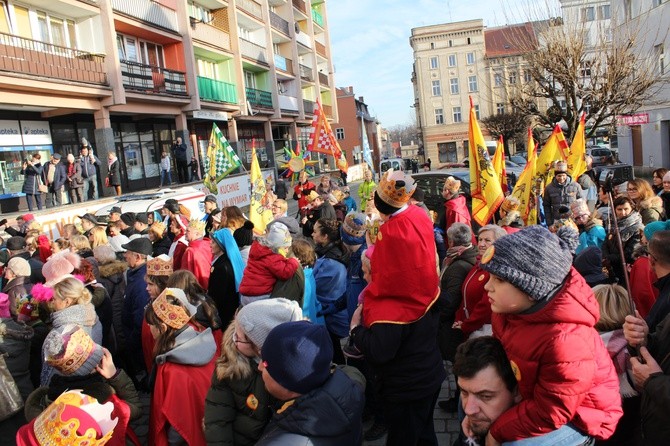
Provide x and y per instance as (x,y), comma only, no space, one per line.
(258,318)
(533,259)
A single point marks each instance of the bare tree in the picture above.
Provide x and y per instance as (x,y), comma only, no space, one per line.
(570,73)
(510,126)
(404,134)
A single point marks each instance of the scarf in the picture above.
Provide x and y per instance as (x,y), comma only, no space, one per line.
(617,347)
(629,226)
(79,314)
(453,253)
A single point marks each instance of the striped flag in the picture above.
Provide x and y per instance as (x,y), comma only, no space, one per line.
(555,149)
(221,159)
(322,139)
(367,153)
(260,214)
(499,164)
(525,189)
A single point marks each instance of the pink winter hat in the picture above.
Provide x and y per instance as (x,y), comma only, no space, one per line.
(4,306)
(59,266)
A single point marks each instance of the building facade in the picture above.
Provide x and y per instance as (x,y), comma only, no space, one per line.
(132,75)
(353,116)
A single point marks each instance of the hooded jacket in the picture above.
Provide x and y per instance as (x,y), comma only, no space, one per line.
(651,209)
(111,277)
(264,268)
(330,274)
(329,415)
(557,194)
(564,371)
(15,342)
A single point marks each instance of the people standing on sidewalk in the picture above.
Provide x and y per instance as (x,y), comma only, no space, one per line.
(114,176)
(180,156)
(165,170)
(366,189)
(54,176)
(89,163)
(75,182)
(32,172)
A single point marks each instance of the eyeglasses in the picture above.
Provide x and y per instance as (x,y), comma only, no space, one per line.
(632,189)
(236,340)
(653,257)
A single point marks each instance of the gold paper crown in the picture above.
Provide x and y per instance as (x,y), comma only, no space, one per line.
(198,225)
(172,315)
(159,266)
(74,411)
(159,227)
(352,228)
(510,204)
(390,193)
(79,348)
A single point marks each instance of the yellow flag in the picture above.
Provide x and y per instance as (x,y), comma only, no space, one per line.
(577,160)
(484,184)
(555,149)
(260,211)
(524,187)
(499,164)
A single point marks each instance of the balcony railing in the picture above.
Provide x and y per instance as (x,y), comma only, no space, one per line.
(320,48)
(217,91)
(303,39)
(27,56)
(288,104)
(148,11)
(309,106)
(250,7)
(253,51)
(328,110)
(317,18)
(210,34)
(259,98)
(306,73)
(323,78)
(152,79)
(279,23)
(283,64)
(300,4)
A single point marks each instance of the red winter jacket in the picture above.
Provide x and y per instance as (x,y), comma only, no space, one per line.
(642,289)
(264,268)
(197,258)
(475,309)
(564,371)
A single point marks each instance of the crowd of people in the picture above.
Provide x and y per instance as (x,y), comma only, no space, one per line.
(344,313)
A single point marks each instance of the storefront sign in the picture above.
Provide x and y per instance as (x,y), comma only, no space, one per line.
(35,133)
(636,119)
(210,114)
(235,190)
(10,133)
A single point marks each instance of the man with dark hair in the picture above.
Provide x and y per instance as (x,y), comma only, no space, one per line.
(630,224)
(180,151)
(487,384)
(659,256)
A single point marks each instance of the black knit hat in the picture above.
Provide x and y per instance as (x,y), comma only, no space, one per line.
(128,218)
(244,236)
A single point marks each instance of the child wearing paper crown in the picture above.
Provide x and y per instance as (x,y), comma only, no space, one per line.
(267,263)
(184,359)
(544,314)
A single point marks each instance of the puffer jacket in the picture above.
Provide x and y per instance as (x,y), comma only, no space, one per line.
(556,195)
(563,369)
(111,277)
(329,415)
(15,342)
(651,209)
(330,274)
(264,268)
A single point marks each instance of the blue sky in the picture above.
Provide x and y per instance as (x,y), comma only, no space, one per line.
(370,44)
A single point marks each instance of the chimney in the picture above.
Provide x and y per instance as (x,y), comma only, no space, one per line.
(360,98)
(350,89)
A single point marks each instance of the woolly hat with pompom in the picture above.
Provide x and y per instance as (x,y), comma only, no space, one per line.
(533,259)
(60,266)
(244,236)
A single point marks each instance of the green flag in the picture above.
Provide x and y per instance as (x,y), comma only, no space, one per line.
(221,159)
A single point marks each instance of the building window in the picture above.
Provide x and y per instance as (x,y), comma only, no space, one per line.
(585,69)
(498,79)
(140,51)
(604,12)
(451,44)
(436,88)
(527,77)
(658,3)
(469,41)
(457,114)
(453,84)
(500,108)
(588,14)
(472,83)
(199,12)
(432,46)
(207,69)
(477,111)
(434,63)
(452,60)
(470,58)
(55,30)
(439,116)
(660,57)
(339,133)
(628,9)
(512,77)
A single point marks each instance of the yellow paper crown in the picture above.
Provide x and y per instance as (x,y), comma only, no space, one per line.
(74,411)
(172,315)
(510,204)
(79,348)
(198,225)
(159,266)
(391,193)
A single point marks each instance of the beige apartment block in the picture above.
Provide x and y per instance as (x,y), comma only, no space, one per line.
(132,75)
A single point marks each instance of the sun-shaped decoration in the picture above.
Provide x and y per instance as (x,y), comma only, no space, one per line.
(295,162)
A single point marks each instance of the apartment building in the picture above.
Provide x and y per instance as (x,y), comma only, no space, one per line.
(455,61)
(132,75)
(354,115)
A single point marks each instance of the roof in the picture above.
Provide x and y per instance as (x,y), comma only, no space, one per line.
(510,40)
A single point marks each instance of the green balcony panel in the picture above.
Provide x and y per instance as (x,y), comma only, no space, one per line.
(217,91)
(318,18)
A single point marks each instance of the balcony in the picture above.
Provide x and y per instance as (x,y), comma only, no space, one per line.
(328,110)
(148,11)
(27,56)
(216,91)
(250,7)
(288,104)
(253,51)
(303,39)
(279,24)
(320,48)
(152,79)
(300,5)
(306,73)
(323,78)
(309,106)
(210,34)
(284,64)
(317,18)
(259,98)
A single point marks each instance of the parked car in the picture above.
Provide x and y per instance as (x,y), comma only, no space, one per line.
(600,155)
(149,201)
(520,160)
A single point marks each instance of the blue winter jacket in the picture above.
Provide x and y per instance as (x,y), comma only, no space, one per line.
(330,274)
(593,237)
(135,300)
